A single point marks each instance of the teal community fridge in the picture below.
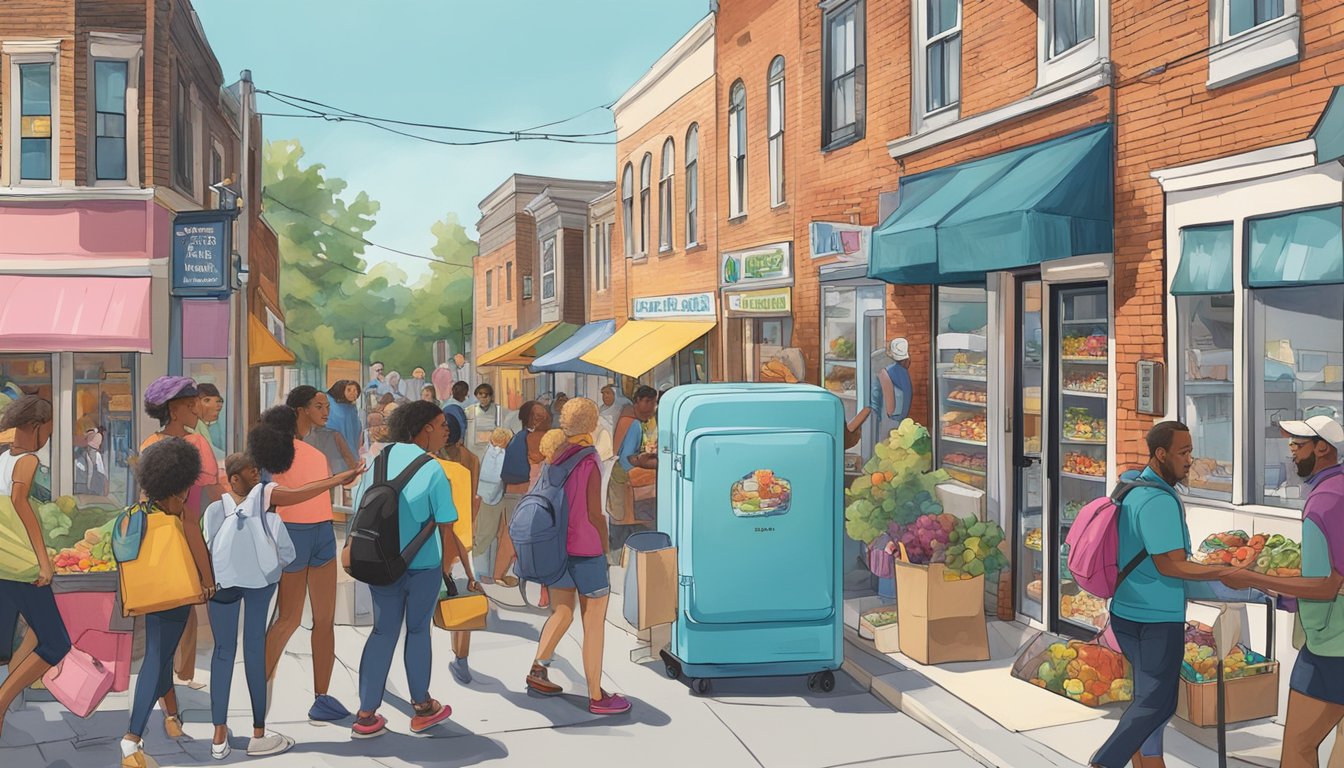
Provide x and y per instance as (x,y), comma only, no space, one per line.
(750,491)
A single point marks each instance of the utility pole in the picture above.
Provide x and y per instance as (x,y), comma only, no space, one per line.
(242,366)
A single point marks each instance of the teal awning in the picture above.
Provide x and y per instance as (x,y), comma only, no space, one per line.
(565,357)
(1206,261)
(1329,130)
(1300,248)
(1047,201)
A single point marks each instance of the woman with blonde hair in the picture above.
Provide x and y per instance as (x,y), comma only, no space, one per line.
(575,462)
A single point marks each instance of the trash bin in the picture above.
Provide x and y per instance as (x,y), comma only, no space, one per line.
(650,595)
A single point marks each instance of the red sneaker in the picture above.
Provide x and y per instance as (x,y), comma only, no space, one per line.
(428,715)
(368,727)
(609,704)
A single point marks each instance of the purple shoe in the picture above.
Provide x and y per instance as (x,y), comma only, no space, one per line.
(609,704)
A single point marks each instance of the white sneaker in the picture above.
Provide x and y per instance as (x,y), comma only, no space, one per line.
(194,685)
(270,744)
(220,751)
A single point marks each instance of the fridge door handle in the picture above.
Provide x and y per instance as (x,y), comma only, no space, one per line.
(683,580)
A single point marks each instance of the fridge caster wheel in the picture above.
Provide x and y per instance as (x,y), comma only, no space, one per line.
(700,685)
(673,671)
(822,681)
(672,666)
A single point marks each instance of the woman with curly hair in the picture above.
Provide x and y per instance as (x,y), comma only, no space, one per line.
(166,472)
(27,593)
(586,573)
(309,524)
(344,418)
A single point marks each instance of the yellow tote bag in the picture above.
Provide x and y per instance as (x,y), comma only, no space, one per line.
(18,561)
(163,574)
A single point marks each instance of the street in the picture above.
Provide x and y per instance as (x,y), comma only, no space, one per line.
(770,722)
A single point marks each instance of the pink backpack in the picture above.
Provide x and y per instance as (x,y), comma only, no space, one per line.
(80,682)
(1094,543)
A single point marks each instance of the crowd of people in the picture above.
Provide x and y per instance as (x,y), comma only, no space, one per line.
(246,540)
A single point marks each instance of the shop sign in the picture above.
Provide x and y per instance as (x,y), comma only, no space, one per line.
(769,301)
(681,305)
(202,245)
(851,242)
(770,262)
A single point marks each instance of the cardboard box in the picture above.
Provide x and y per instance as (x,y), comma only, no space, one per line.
(1248,698)
(884,635)
(652,597)
(961,500)
(940,621)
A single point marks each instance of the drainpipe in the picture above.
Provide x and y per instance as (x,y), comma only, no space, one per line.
(242,364)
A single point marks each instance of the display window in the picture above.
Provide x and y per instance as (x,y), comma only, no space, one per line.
(104,428)
(28,375)
(961,382)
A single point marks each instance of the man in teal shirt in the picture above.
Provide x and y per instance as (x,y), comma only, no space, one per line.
(1148,610)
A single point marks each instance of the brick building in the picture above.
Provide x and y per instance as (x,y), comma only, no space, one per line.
(115,121)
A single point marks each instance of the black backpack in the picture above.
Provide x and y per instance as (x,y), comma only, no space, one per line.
(376,556)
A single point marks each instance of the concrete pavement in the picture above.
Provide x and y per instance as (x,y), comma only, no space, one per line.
(773,723)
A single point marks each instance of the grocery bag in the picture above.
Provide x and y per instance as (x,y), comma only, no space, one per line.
(18,561)
(460,611)
(650,592)
(1087,673)
(162,575)
(80,682)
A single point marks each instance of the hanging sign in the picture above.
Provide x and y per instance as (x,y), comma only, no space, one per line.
(202,247)
(772,263)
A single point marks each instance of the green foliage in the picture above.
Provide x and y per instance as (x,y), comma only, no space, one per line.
(906,487)
(974,548)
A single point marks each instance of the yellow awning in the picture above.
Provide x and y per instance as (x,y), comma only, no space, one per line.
(520,352)
(639,345)
(263,348)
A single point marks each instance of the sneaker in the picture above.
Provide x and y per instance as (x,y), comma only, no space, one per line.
(138,758)
(368,727)
(172,725)
(270,744)
(220,751)
(507,580)
(461,672)
(326,709)
(192,684)
(435,713)
(609,704)
(539,680)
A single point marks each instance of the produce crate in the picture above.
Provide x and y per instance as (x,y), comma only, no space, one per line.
(1075,670)
(882,625)
(1248,698)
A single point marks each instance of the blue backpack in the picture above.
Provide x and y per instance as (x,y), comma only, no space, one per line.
(540,524)
(516,469)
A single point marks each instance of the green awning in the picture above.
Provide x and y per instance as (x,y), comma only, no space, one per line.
(1300,248)
(1329,130)
(1047,201)
(1206,261)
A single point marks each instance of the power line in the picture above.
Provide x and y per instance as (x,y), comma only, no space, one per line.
(574,117)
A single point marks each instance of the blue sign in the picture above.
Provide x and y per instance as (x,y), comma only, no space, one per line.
(202,245)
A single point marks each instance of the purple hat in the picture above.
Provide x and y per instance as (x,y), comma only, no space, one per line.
(167,388)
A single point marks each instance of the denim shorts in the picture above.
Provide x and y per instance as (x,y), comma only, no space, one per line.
(1318,676)
(314,545)
(587,575)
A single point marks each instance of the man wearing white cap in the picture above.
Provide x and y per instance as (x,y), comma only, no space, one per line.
(1316,695)
(892,391)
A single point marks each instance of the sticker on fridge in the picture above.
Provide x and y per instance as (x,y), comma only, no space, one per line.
(761,494)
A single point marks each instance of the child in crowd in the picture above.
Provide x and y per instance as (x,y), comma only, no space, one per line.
(490,518)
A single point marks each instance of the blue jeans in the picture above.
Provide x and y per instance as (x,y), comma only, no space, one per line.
(163,630)
(37,606)
(1155,651)
(255,605)
(411,599)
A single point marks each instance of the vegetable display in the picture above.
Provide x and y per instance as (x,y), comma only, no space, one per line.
(1274,555)
(897,486)
(1087,673)
(1201,666)
(973,549)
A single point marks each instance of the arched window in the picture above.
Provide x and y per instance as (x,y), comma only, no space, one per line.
(775,131)
(665,197)
(737,150)
(692,185)
(628,208)
(645,184)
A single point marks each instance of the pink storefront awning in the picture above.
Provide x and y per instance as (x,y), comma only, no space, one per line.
(74,314)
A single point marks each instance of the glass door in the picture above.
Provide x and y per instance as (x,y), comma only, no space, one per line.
(1078,419)
(839,357)
(1029,480)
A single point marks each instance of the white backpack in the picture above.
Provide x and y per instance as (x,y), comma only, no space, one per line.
(248,549)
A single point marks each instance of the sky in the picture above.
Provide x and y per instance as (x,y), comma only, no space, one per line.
(496,64)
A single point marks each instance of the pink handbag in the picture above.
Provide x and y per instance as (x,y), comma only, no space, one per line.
(80,682)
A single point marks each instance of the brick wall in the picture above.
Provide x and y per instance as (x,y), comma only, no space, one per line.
(46,19)
(575,292)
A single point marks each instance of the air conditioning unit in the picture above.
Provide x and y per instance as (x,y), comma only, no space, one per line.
(527,288)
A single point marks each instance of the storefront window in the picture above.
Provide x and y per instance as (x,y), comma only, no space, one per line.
(1300,375)
(763,341)
(1205,334)
(688,366)
(962,383)
(104,428)
(28,375)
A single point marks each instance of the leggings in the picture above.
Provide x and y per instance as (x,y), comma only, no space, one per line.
(163,630)
(255,605)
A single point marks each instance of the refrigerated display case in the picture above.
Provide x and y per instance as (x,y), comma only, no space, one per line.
(1030,560)
(853,343)
(961,384)
(1079,422)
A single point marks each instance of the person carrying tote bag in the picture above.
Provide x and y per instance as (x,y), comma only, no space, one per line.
(165,569)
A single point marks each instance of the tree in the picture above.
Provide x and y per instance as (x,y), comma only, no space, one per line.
(440,301)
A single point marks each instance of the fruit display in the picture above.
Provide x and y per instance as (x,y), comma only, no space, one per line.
(1082,464)
(1086,381)
(1071,510)
(1080,425)
(972,396)
(79,540)
(1087,673)
(973,549)
(1274,555)
(761,493)
(974,462)
(973,428)
(841,378)
(1085,347)
(968,364)
(897,485)
(1034,539)
(1201,666)
(91,554)
(926,539)
(842,348)
(1083,607)
(880,618)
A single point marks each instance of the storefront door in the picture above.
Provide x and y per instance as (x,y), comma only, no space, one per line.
(1028,483)
(874,340)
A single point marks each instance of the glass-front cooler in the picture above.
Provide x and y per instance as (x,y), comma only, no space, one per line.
(961,381)
(851,350)
(1079,422)
(1030,561)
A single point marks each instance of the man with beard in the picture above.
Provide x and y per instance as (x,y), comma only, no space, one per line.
(1316,695)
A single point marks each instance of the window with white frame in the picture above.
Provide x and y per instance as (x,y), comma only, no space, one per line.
(1071,23)
(109,97)
(508,281)
(775,130)
(843,78)
(595,232)
(216,170)
(936,85)
(548,269)
(628,208)
(36,140)
(692,185)
(606,256)
(1072,38)
(489,287)
(1247,37)
(737,150)
(184,140)
(645,189)
(490,338)
(665,197)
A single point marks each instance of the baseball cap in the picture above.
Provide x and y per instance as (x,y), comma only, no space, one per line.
(1323,427)
(900,349)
